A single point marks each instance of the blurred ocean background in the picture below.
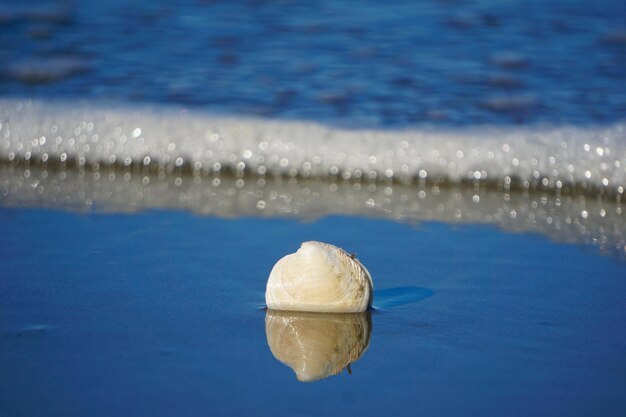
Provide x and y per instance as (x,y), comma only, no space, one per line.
(360,63)
(473,151)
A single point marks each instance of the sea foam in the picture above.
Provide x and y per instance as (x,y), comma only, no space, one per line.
(565,182)
(165,139)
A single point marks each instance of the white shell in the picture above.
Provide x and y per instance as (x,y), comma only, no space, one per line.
(315,345)
(319,277)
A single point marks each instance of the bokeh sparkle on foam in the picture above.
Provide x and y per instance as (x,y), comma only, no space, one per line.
(590,158)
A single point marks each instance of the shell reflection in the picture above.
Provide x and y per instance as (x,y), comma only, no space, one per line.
(317,345)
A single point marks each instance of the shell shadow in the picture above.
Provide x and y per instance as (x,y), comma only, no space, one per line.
(394,297)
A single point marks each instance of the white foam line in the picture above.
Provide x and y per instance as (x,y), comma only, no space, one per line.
(167,138)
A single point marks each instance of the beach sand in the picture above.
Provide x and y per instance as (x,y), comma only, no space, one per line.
(161,313)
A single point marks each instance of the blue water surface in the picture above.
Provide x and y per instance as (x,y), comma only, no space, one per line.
(401,63)
(160,314)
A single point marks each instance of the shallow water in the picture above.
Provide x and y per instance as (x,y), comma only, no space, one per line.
(156,160)
(443,62)
(161,313)
(596,220)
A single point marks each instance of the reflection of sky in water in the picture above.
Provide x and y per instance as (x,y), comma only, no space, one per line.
(158,314)
(449,62)
(593,220)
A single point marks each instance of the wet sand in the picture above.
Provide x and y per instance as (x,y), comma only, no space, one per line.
(161,313)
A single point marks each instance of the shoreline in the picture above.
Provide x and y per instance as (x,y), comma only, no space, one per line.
(158,312)
(571,218)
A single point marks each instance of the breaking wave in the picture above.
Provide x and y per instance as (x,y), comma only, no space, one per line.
(169,140)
